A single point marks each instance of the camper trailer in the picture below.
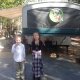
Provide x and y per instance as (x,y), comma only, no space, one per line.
(54,20)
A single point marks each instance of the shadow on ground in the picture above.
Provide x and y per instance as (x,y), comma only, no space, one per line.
(55,69)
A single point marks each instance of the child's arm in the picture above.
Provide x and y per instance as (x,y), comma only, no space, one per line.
(24,52)
(13,48)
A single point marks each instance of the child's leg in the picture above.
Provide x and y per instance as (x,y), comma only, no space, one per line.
(17,70)
(22,70)
(38,78)
(33,77)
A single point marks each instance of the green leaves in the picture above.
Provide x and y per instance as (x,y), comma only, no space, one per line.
(10,3)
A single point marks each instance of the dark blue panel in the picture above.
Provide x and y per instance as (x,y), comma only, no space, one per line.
(52,31)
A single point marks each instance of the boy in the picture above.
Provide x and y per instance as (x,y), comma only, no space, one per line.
(18,51)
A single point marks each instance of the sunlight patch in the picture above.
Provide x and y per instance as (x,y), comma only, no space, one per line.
(51,77)
(6,77)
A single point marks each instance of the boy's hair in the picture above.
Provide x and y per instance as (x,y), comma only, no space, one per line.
(16,36)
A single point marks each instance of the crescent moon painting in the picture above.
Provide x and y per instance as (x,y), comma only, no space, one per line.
(56,15)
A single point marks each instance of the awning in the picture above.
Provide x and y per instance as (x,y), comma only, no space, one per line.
(11,13)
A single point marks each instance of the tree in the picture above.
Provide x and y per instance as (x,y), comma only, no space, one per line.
(75,1)
(10,3)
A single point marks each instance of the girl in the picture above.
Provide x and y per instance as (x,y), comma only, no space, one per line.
(37,64)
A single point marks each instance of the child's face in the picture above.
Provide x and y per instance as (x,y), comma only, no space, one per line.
(18,39)
(36,36)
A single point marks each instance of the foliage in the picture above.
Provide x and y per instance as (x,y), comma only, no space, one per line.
(10,3)
(75,1)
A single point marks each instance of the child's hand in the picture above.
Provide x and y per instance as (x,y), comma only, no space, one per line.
(24,61)
(16,45)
